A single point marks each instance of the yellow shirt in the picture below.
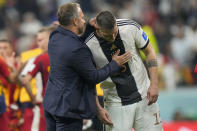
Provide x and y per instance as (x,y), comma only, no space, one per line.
(2,3)
(23,95)
(99,90)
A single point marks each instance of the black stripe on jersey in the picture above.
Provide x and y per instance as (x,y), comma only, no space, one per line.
(128,22)
(124,80)
(145,45)
(89,37)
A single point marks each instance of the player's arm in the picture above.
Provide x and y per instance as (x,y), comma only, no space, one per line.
(14,73)
(26,82)
(143,43)
(151,62)
(13,77)
(28,76)
(102,113)
(84,65)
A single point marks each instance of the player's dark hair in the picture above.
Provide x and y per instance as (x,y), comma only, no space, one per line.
(67,12)
(6,41)
(106,20)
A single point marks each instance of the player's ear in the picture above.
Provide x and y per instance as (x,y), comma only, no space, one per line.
(96,26)
(74,21)
(93,23)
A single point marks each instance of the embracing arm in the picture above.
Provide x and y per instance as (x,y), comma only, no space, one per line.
(83,63)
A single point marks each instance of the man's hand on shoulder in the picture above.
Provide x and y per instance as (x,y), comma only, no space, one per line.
(92,22)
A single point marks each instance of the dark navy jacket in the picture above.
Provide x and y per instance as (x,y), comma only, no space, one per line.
(70,89)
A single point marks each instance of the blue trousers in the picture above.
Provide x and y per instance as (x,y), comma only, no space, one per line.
(56,123)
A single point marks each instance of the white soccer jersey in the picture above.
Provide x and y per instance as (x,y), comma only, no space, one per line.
(130,85)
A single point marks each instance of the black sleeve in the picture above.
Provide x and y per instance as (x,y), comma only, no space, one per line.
(89,29)
(84,65)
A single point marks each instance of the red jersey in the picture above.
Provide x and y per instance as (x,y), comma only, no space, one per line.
(4,74)
(41,64)
(195,70)
(4,69)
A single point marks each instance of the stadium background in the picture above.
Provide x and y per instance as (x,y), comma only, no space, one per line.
(170,24)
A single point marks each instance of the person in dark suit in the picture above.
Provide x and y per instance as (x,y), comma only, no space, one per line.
(70,94)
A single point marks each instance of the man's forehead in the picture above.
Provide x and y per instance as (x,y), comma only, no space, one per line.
(43,33)
(4,43)
(80,12)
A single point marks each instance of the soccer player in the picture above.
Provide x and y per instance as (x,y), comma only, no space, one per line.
(9,89)
(129,96)
(36,84)
(4,72)
(6,49)
(40,64)
(7,75)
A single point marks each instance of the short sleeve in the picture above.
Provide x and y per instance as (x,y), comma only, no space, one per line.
(35,68)
(28,67)
(141,39)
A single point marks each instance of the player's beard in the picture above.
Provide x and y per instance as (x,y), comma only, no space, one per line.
(81,29)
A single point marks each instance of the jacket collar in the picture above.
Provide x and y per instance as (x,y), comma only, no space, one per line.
(67,32)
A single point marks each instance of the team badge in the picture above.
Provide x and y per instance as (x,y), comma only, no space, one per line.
(144,36)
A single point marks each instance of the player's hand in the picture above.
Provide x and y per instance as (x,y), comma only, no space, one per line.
(104,117)
(55,23)
(36,102)
(20,64)
(152,94)
(92,22)
(122,59)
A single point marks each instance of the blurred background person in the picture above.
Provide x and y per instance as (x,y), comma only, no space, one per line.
(24,99)
(9,88)
(40,65)
(8,79)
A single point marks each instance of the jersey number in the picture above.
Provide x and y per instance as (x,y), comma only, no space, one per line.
(157,116)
